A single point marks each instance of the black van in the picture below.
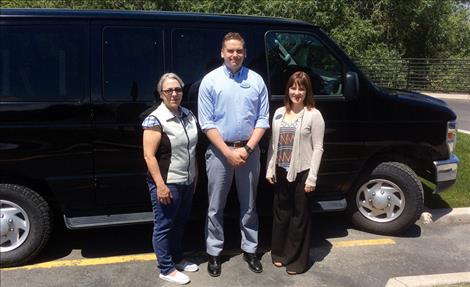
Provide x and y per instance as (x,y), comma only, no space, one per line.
(76,85)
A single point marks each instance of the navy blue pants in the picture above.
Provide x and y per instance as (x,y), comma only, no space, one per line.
(168,224)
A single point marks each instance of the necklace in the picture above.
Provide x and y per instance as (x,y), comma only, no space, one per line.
(293,116)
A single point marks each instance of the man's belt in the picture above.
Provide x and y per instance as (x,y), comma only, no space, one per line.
(236,144)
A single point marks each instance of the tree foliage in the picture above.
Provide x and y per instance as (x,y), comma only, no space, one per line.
(372,28)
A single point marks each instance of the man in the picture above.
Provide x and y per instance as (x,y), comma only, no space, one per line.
(233,111)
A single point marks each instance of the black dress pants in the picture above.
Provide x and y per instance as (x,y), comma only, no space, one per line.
(291,222)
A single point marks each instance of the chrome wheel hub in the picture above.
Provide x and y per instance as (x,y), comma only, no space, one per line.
(380,200)
(14,226)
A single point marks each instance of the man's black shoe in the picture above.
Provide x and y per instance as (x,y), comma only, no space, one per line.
(214,266)
(253,262)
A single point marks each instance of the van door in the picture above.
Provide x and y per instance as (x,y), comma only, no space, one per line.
(290,51)
(45,130)
(132,60)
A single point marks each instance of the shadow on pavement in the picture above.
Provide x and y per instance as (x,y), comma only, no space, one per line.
(137,239)
(94,243)
(433,200)
(412,232)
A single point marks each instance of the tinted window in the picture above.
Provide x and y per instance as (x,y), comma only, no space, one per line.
(290,52)
(43,63)
(196,52)
(131,63)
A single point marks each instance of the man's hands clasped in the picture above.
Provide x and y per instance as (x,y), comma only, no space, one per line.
(237,157)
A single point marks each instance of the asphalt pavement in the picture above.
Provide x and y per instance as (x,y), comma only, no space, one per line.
(342,256)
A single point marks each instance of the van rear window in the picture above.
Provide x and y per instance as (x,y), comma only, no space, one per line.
(43,63)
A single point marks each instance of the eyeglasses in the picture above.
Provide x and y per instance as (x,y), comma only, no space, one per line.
(169,92)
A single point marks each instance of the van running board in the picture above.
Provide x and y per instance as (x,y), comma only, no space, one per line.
(329,205)
(147,217)
(107,220)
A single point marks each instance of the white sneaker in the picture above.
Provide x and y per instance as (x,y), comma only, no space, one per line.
(186,266)
(178,278)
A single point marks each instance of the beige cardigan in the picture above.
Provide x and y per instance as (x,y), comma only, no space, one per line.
(307,148)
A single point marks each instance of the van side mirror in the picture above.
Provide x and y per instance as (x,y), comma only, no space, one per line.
(351,85)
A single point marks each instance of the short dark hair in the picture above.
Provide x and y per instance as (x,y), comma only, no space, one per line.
(233,36)
(303,80)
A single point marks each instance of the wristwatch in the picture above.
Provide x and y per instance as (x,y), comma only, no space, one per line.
(248,149)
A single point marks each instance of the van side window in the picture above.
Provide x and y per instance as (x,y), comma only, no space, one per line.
(195,53)
(131,63)
(43,63)
(289,52)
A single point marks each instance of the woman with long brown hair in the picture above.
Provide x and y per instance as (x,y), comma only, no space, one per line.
(294,157)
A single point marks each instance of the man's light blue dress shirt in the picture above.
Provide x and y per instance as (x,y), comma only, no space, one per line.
(234,104)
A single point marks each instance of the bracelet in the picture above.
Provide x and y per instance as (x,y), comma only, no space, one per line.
(248,149)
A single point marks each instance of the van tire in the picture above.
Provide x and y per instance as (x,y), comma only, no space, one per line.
(31,210)
(388,200)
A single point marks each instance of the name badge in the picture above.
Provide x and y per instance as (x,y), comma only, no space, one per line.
(245,85)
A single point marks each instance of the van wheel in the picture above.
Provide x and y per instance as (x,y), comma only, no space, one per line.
(388,201)
(25,224)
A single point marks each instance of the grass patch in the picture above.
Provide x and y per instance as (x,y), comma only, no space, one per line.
(457,195)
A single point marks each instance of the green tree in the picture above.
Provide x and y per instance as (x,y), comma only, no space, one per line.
(377,28)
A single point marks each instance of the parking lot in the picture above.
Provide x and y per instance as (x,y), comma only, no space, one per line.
(342,256)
